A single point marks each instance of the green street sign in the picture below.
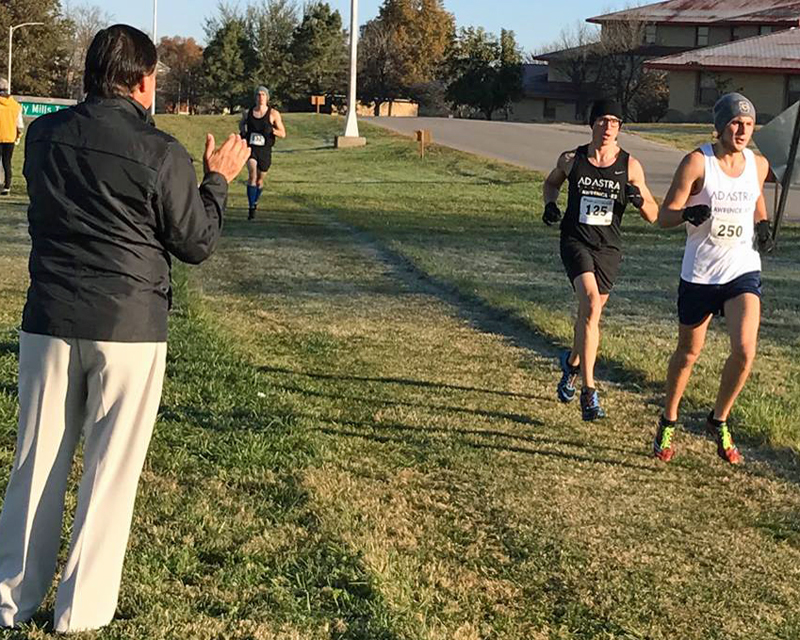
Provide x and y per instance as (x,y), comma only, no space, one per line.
(35,109)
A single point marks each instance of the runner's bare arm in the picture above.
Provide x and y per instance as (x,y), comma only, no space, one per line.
(649,210)
(557,177)
(687,180)
(277,124)
(761,206)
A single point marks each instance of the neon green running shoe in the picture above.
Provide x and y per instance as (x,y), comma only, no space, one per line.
(726,449)
(662,444)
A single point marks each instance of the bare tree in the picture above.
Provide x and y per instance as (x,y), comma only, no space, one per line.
(580,59)
(379,68)
(621,48)
(84,20)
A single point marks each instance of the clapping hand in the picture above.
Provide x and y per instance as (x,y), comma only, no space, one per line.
(228,159)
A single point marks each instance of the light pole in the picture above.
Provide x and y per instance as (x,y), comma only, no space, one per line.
(10,46)
(155,42)
(351,137)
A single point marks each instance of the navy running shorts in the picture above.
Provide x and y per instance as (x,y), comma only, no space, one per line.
(698,301)
(580,258)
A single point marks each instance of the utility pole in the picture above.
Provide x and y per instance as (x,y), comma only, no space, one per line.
(351,137)
(155,42)
(11,46)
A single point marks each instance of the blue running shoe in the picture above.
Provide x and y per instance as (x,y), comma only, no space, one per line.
(590,405)
(566,386)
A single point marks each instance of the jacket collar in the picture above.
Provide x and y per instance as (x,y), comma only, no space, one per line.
(124,103)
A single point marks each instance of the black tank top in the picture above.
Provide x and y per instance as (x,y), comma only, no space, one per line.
(261,126)
(596,201)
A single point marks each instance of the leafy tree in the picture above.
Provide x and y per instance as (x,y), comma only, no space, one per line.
(270,27)
(422,32)
(226,60)
(182,84)
(40,56)
(318,54)
(486,71)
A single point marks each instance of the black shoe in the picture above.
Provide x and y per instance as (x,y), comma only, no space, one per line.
(590,405)
(5,192)
(569,374)
(251,213)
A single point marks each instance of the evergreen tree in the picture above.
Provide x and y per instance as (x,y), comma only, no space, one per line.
(318,54)
(486,71)
(226,60)
(270,27)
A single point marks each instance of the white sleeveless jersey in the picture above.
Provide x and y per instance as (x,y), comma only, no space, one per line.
(721,249)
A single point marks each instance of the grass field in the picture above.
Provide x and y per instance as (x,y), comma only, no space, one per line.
(359,437)
(686,137)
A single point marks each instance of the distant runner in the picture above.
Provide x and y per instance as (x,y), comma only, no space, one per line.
(718,190)
(260,125)
(603,179)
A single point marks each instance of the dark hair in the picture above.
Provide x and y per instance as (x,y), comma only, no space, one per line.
(118,58)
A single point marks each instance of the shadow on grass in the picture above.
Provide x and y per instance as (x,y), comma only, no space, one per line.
(499,415)
(489,434)
(548,453)
(401,381)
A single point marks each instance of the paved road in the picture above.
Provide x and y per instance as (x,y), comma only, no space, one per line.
(537,146)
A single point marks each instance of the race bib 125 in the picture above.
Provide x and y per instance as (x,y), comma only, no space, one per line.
(598,212)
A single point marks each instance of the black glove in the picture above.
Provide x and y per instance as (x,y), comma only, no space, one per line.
(764,237)
(634,195)
(552,214)
(697,214)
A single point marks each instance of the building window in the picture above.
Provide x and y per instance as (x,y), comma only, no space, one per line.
(707,89)
(701,37)
(650,34)
(737,33)
(764,30)
(792,90)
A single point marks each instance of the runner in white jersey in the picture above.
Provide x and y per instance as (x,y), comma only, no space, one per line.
(718,191)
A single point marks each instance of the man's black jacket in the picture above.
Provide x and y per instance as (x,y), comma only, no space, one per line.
(110,198)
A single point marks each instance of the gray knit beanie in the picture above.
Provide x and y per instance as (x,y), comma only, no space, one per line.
(730,106)
(259,89)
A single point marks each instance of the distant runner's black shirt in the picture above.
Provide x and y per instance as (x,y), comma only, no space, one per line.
(261,126)
(596,201)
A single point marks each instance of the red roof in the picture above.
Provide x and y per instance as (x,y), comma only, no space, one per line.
(776,52)
(711,12)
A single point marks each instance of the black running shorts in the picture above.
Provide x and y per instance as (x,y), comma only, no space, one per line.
(579,258)
(698,301)
(263,157)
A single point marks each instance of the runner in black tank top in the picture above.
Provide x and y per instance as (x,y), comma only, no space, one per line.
(603,179)
(260,133)
(596,195)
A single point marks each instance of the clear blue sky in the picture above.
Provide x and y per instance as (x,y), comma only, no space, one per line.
(536,22)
